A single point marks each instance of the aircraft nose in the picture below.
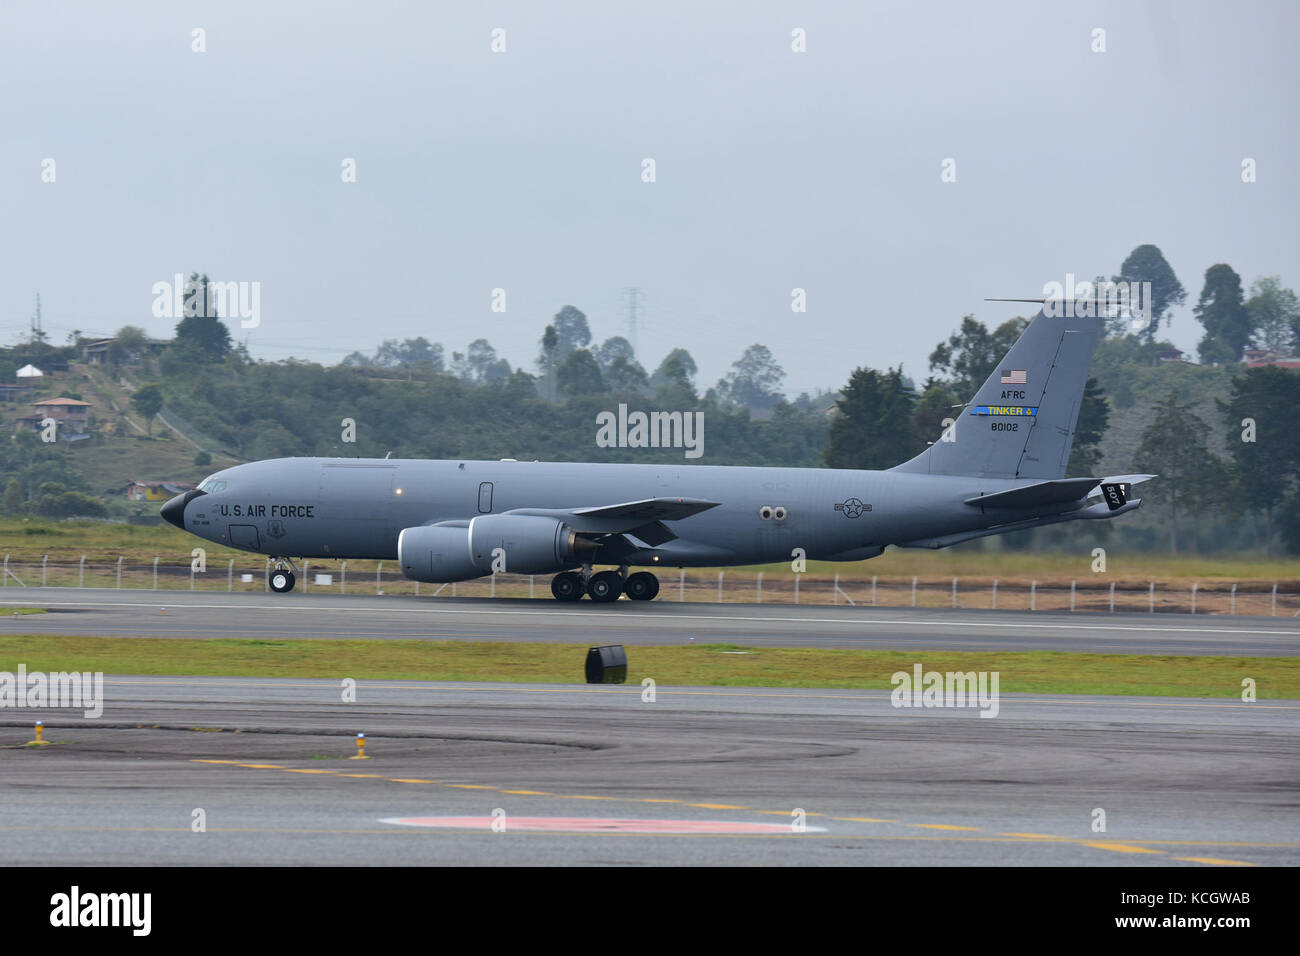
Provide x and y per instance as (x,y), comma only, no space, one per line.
(173,511)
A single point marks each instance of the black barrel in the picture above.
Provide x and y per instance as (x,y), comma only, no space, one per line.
(607,664)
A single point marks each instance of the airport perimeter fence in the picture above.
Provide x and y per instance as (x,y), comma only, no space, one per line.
(1097,594)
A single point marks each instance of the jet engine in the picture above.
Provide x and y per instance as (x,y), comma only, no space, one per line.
(436,553)
(516,544)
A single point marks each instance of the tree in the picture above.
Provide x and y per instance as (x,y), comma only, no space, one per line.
(357,360)
(579,375)
(420,353)
(1223,314)
(571,327)
(937,403)
(12,503)
(412,354)
(201,336)
(1289,520)
(128,346)
(677,369)
(202,459)
(873,426)
(483,364)
(1094,417)
(1274,315)
(754,381)
(614,348)
(969,356)
(148,401)
(389,354)
(626,375)
(1173,447)
(1262,406)
(1147,264)
(57,501)
(549,357)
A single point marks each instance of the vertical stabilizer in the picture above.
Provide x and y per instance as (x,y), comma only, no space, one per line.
(1020,424)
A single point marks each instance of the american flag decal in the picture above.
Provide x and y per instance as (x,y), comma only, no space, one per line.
(1014,377)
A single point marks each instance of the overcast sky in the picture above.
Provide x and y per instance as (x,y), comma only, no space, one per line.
(522,170)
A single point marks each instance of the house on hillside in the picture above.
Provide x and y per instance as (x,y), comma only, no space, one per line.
(72,417)
(30,373)
(14,393)
(1259,358)
(96,352)
(155,490)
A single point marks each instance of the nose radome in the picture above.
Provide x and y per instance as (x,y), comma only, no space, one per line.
(173,511)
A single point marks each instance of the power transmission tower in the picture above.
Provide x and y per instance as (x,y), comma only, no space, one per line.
(38,333)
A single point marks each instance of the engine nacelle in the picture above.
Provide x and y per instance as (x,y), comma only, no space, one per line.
(524,544)
(517,544)
(437,553)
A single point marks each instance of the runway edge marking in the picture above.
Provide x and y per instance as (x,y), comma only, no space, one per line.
(1131,846)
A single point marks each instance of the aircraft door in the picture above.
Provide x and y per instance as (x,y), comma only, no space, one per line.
(244,536)
(485,497)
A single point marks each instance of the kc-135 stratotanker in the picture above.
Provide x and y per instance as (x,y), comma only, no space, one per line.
(998,467)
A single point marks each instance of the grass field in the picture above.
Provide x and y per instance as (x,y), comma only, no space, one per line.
(717,665)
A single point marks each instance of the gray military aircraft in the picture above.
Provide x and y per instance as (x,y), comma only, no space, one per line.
(998,466)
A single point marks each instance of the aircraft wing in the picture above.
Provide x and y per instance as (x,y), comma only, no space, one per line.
(628,516)
(650,509)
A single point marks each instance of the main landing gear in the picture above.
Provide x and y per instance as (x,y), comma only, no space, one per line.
(568,586)
(281,579)
(605,586)
(642,586)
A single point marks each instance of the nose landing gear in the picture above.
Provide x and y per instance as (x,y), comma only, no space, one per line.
(281,579)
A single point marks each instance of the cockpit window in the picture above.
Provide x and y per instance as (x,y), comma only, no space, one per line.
(212,485)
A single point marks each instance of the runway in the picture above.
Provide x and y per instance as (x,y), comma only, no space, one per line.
(1181,782)
(199,614)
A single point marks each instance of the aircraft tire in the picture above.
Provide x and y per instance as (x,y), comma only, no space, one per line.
(642,586)
(605,587)
(282,580)
(567,586)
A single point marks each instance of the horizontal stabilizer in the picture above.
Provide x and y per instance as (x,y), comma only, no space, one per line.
(1125,479)
(1094,512)
(1040,493)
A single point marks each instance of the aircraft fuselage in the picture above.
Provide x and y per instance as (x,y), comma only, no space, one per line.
(356,508)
